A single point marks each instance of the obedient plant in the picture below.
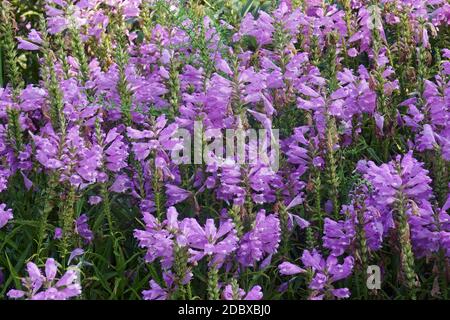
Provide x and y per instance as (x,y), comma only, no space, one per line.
(47,286)
(128,135)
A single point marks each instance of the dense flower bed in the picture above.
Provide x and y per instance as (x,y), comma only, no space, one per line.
(94,206)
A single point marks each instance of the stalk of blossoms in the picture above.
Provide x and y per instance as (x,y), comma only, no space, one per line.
(422,72)
(181,266)
(58,121)
(285,232)
(103,49)
(361,239)
(213,283)
(348,16)
(121,59)
(241,124)
(313,207)
(401,194)
(298,4)
(180,269)
(79,52)
(235,288)
(51,81)
(248,204)
(310,237)
(235,214)
(314,188)
(77,167)
(67,217)
(442,261)
(441,165)
(14,132)
(9,47)
(104,192)
(281,39)
(407,256)
(146,20)
(214,243)
(157,187)
(174,86)
(49,203)
(406,46)
(433,158)
(441,172)
(200,43)
(62,54)
(314,51)
(316,181)
(316,184)
(331,138)
(385,105)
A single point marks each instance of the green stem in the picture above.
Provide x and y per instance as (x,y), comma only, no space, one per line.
(406,254)
(213,283)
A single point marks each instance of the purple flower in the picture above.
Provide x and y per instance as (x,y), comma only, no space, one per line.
(326,272)
(46,286)
(338,235)
(255,293)
(75,253)
(116,151)
(158,139)
(157,240)
(261,28)
(341,293)
(27,45)
(405,179)
(362,208)
(405,175)
(210,241)
(229,174)
(175,194)
(82,228)
(58,233)
(35,36)
(93,200)
(289,269)
(5,215)
(261,241)
(426,140)
(155,292)
(120,184)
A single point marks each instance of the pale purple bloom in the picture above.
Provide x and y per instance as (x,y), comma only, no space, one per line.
(326,272)
(58,233)
(5,215)
(262,240)
(27,45)
(157,240)
(406,177)
(93,200)
(287,268)
(176,194)
(155,292)
(74,254)
(210,241)
(338,235)
(47,286)
(82,228)
(255,293)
